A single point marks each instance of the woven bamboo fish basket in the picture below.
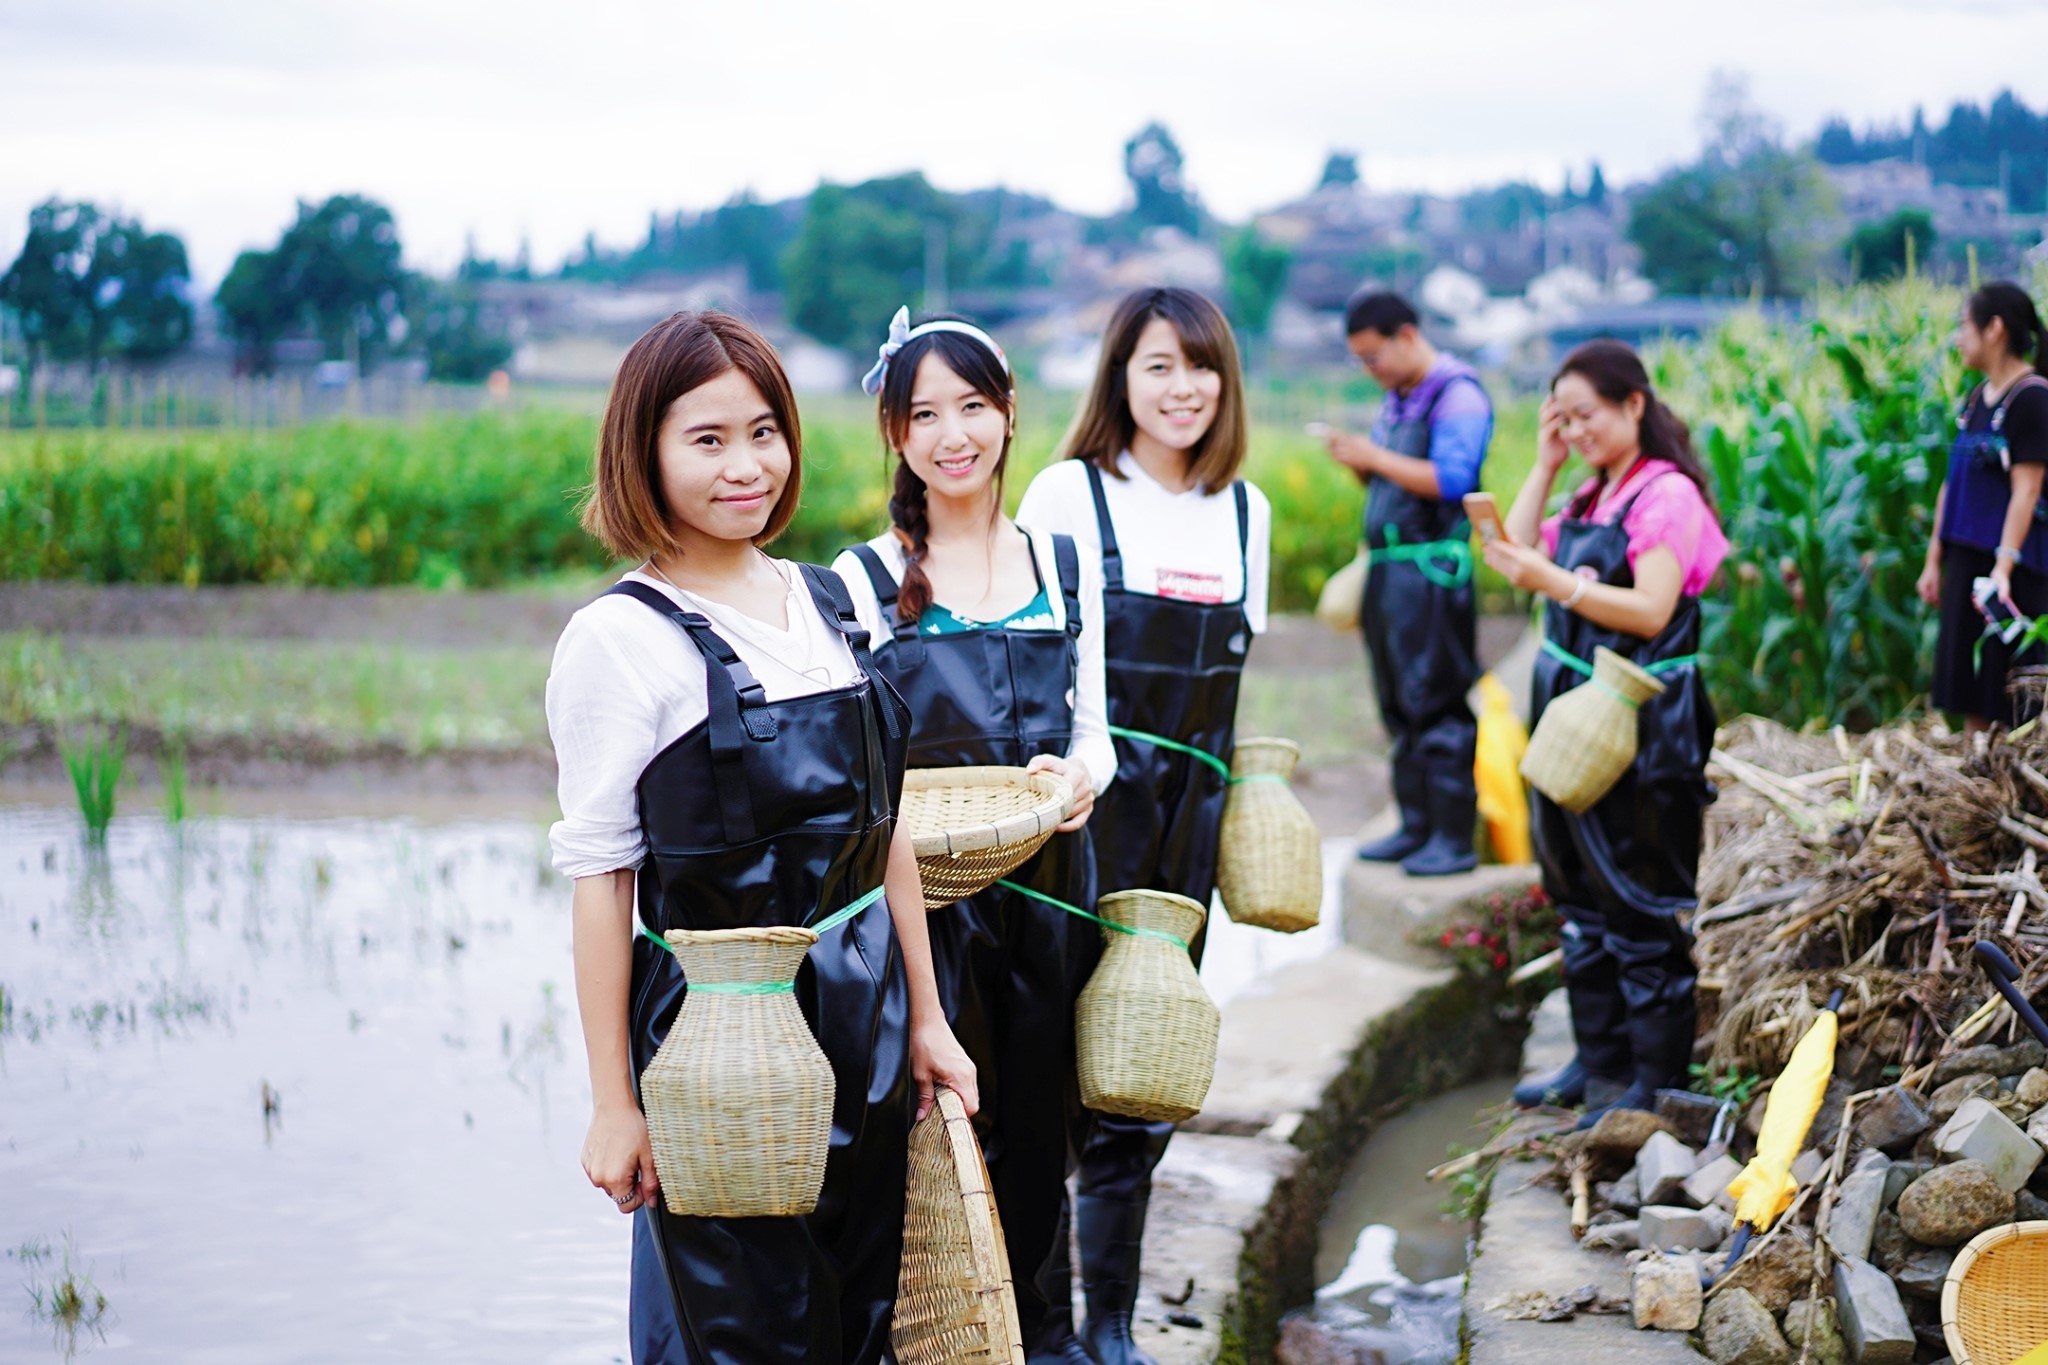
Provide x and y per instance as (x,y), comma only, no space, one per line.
(1586,738)
(1994,1303)
(970,826)
(954,1297)
(1144,1029)
(739,1097)
(1269,868)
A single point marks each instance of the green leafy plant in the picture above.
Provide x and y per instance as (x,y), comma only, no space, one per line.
(1495,936)
(1735,1084)
(171,766)
(94,761)
(67,1300)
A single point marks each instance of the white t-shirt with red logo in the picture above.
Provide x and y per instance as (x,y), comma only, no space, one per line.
(1179,545)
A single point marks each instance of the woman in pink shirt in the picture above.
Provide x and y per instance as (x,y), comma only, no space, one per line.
(1623,566)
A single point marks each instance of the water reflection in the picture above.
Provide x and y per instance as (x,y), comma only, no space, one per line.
(302,1090)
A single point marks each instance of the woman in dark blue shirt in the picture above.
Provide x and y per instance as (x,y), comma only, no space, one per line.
(1989,522)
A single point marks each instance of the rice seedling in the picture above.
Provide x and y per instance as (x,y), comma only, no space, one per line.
(67,1301)
(94,762)
(171,767)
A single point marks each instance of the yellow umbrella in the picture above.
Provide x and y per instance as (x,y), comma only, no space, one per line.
(1497,764)
(1765,1188)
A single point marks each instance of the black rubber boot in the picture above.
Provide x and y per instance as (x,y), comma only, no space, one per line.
(1112,1235)
(1453,804)
(1563,1088)
(1411,800)
(1054,1343)
(1639,1095)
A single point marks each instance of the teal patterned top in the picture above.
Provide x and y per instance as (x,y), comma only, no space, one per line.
(1033,615)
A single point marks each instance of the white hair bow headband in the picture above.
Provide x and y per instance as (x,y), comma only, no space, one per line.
(901,334)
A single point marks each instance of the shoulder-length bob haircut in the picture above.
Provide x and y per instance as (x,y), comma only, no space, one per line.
(1104,428)
(625,508)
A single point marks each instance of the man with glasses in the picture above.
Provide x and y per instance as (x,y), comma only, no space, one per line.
(1419,619)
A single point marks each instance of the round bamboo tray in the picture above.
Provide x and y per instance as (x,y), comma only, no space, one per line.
(1994,1304)
(1586,738)
(954,1297)
(739,1097)
(1144,1028)
(1269,869)
(970,826)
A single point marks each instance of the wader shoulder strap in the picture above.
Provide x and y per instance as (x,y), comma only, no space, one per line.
(1112,557)
(735,705)
(1066,558)
(1244,533)
(887,592)
(828,592)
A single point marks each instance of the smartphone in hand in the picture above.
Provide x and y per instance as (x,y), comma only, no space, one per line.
(1484,513)
(2007,624)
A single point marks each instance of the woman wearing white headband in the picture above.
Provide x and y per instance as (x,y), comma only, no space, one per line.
(993,637)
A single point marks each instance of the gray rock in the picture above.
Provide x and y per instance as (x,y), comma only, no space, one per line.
(1889,1245)
(1979,1132)
(2029,1207)
(1613,1142)
(1990,1060)
(1892,1119)
(1624,1235)
(1665,1293)
(1709,1183)
(1921,1274)
(1874,1323)
(2037,1127)
(1951,1204)
(2033,1088)
(1901,1174)
(1858,1201)
(1663,1165)
(1827,1120)
(1738,1330)
(1304,1341)
(1816,1318)
(1690,1115)
(1662,1227)
(1946,1099)
(1806,1167)
(1623,1195)
(1777,1271)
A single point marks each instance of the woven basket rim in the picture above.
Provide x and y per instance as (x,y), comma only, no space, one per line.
(1636,672)
(1268,742)
(769,933)
(1055,799)
(1959,1269)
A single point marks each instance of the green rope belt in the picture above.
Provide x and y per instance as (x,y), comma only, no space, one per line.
(1425,554)
(830,922)
(1059,904)
(1162,742)
(1578,665)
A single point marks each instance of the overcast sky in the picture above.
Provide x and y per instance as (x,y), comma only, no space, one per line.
(516,118)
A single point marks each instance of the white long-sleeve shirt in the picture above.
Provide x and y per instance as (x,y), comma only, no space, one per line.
(627,683)
(1179,545)
(1091,746)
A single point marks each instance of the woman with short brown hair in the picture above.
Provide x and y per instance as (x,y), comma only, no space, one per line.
(728,759)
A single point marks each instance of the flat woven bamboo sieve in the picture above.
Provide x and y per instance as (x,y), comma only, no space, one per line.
(1586,738)
(1144,1029)
(1994,1303)
(954,1297)
(970,826)
(739,1097)
(1269,870)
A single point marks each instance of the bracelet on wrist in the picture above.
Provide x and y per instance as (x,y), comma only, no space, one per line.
(1568,603)
(2006,552)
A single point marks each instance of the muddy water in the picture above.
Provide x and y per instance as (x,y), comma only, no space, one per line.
(1390,1260)
(402,989)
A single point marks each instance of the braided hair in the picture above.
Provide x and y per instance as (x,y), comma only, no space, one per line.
(908,511)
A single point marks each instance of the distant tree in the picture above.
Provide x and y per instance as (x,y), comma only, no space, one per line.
(1340,169)
(1596,188)
(1741,218)
(1878,251)
(338,266)
(91,286)
(1253,274)
(2006,144)
(858,256)
(1152,162)
(253,303)
(463,341)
